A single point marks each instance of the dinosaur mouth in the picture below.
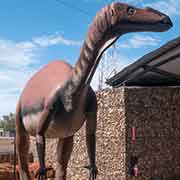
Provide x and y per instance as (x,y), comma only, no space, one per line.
(169,25)
(160,26)
(166,23)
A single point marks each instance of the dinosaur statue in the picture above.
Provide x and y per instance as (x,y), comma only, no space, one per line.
(58,99)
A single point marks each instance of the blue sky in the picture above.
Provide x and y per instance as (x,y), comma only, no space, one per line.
(34,33)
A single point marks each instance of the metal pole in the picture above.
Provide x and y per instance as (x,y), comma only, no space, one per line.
(14,171)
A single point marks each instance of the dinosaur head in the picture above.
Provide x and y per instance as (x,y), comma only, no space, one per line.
(117,19)
(126,18)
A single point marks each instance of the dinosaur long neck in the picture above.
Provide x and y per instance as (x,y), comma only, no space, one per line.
(98,39)
(93,47)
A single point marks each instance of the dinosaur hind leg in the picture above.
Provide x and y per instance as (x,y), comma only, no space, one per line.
(22,144)
(64,150)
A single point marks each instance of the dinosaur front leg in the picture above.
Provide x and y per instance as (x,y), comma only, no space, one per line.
(91,143)
(40,144)
(64,150)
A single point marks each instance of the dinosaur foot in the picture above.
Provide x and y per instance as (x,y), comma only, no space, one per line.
(93,171)
(41,174)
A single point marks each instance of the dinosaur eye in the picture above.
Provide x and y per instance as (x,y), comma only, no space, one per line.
(131,11)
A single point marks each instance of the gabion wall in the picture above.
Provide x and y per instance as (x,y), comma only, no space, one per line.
(153,114)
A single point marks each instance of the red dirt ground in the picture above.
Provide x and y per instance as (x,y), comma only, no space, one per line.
(6,171)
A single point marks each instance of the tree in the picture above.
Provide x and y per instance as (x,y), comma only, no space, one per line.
(8,122)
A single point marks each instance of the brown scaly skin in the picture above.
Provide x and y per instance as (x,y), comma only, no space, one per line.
(57,99)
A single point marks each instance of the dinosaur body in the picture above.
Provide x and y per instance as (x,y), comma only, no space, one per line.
(45,81)
(34,100)
(58,99)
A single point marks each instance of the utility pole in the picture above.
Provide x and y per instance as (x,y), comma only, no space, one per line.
(107,66)
(101,74)
(113,58)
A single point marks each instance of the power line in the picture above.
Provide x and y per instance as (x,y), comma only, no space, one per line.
(73,7)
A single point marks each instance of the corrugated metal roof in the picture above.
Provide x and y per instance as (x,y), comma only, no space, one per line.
(158,68)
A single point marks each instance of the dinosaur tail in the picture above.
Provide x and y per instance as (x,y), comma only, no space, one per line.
(22,145)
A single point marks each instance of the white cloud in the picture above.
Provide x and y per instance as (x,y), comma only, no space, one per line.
(15,59)
(138,41)
(18,54)
(12,82)
(8,102)
(13,54)
(54,40)
(170,7)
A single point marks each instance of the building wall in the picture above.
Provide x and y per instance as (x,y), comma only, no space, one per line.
(154,112)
